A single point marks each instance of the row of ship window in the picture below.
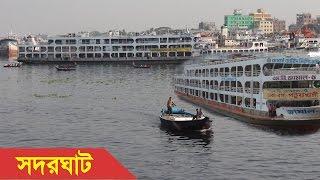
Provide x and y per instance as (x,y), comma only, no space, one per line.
(236,86)
(218,97)
(120,41)
(232,86)
(109,55)
(249,70)
(98,48)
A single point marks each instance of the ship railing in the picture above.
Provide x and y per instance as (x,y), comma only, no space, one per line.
(224,61)
(292,71)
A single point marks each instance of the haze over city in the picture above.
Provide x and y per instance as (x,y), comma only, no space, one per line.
(60,16)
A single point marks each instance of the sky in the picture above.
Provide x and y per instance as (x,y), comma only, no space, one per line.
(64,16)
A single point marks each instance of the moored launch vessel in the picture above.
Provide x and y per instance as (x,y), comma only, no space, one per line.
(265,91)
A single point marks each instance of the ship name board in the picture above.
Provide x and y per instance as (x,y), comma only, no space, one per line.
(294,77)
(295,94)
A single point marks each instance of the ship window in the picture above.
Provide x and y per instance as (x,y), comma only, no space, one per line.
(97,55)
(296,65)
(211,96)
(58,55)
(73,48)
(58,49)
(221,97)
(58,41)
(239,100)
(256,70)
(278,66)
(226,70)
(172,54)
(233,100)
(221,73)
(90,55)
(43,49)
(287,66)
(226,99)
(248,70)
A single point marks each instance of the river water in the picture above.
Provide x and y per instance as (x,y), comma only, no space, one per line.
(117,107)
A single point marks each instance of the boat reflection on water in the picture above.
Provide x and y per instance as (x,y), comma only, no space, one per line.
(203,137)
(288,131)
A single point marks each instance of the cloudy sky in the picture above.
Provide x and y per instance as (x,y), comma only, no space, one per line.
(62,16)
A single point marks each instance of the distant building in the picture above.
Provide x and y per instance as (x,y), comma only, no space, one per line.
(224,31)
(238,21)
(305,19)
(293,28)
(278,25)
(262,21)
(261,14)
(207,26)
(265,26)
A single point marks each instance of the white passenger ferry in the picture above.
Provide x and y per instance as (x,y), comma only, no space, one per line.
(246,48)
(165,48)
(265,91)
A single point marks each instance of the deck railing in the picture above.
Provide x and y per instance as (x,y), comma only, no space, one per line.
(291,71)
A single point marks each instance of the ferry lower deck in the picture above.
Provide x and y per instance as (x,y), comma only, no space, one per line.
(247,115)
(176,60)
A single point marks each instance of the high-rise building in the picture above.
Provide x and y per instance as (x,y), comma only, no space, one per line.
(262,21)
(261,14)
(238,21)
(278,25)
(266,26)
(305,19)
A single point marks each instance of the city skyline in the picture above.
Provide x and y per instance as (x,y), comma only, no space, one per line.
(60,16)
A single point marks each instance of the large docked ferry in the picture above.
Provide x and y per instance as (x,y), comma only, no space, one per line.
(165,48)
(265,91)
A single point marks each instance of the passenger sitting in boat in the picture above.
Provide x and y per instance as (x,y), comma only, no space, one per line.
(170,104)
(200,113)
(196,116)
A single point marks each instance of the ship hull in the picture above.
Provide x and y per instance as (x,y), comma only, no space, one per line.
(9,50)
(240,114)
(196,125)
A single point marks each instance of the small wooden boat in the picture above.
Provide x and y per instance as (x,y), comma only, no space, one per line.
(15,64)
(141,65)
(66,67)
(183,121)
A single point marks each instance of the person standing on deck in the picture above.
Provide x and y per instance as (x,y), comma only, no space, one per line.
(170,104)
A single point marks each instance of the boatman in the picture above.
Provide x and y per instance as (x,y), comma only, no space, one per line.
(170,104)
